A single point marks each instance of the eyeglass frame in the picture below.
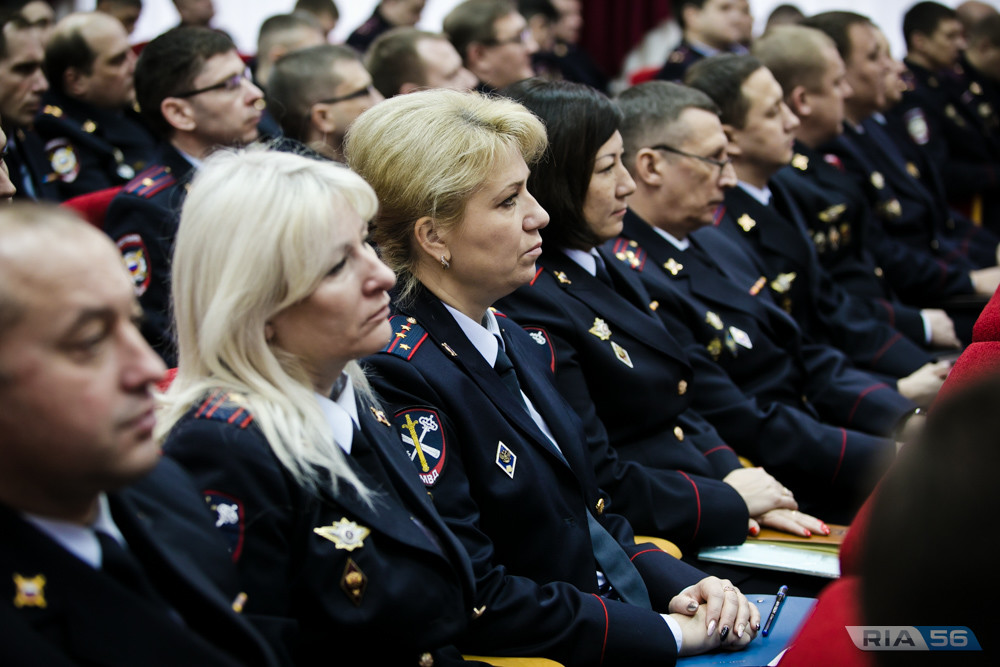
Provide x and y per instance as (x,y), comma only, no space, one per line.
(360,92)
(521,38)
(227,85)
(721,164)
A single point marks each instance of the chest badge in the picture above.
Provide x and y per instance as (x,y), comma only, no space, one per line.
(622,354)
(600,329)
(506,459)
(741,337)
(30,591)
(746,223)
(345,534)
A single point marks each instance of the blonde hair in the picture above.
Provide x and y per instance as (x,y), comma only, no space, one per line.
(426,154)
(254,239)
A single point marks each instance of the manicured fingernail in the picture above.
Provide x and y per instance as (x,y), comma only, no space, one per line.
(756,626)
(754,530)
(711,628)
(724,632)
(739,631)
(826,529)
(808,533)
(692,606)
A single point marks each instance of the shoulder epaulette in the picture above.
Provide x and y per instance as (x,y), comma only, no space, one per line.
(226,407)
(497,312)
(629,252)
(150,181)
(407,336)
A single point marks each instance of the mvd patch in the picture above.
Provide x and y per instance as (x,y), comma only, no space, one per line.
(229,517)
(423,441)
(136,260)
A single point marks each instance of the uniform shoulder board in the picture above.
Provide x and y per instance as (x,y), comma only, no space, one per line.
(407,336)
(497,312)
(226,407)
(629,252)
(150,181)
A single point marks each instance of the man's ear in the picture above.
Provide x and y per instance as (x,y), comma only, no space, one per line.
(649,168)
(178,113)
(75,82)
(425,232)
(322,119)
(732,135)
(798,102)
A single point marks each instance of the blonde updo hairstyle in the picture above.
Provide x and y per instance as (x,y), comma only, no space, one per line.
(426,154)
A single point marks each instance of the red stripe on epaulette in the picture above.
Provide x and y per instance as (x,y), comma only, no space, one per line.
(150,173)
(233,416)
(604,644)
(719,213)
(499,314)
(216,397)
(697,500)
(163,183)
(537,273)
(415,347)
(857,402)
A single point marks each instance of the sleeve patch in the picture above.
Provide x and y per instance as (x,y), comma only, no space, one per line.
(229,517)
(62,157)
(541,337)
(422,435)
(136,260)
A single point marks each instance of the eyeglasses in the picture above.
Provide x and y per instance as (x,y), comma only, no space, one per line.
(721,164)
(519,38)
(360,92)
(232,83)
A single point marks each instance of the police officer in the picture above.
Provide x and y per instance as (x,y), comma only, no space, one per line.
(709,27)
(93,136)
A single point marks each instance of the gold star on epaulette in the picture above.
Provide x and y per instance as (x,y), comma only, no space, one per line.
(404,346)
(800,162)
(400,334)
(912,170)
(406,327)
(89,126)
(878,180)
(746,223)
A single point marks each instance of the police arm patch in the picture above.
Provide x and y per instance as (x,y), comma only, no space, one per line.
(62,157)
(136,260)
(423,440)
(541,337)
(229,518)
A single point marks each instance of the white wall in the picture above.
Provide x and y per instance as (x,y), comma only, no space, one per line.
(242,18)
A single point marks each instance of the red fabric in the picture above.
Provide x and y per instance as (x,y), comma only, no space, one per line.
(977,362)
(166,380)
(643,75)
(987,327)
(612,28)
(823,638)
(93,205)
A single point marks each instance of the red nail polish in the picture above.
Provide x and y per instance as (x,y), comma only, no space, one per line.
(754,530)
(808,533)
(826,529)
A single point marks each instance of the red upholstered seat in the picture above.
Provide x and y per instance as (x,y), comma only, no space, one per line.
(94,205)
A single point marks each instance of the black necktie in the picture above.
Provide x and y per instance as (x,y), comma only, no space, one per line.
(602,274)
(122,565)
(505,369)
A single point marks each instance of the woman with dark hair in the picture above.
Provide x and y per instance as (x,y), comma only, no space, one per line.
(503,454)
(614,359)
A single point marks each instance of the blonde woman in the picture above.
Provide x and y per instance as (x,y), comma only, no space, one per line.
(503,454)
(276,293)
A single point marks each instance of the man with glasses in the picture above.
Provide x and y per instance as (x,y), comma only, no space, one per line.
(800,411)
(316,94)
(761,127)
(196,94)
(93,137)
(493,40)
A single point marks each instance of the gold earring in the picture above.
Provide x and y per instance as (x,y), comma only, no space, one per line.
(445,263)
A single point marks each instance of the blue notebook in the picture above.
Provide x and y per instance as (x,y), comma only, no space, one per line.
(762,650)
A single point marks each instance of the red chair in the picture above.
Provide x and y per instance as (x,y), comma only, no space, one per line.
(643,75)
(94,205)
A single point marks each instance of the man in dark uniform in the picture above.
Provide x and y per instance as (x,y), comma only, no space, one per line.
(760,127)
(949,115)
(93,136)
(709,27)
(388,14)
(195,93)
(493,40)
(811,72)
(797,408)
(109,554)
(22,83)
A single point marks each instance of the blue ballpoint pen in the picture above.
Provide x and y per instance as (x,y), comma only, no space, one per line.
(778,600)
